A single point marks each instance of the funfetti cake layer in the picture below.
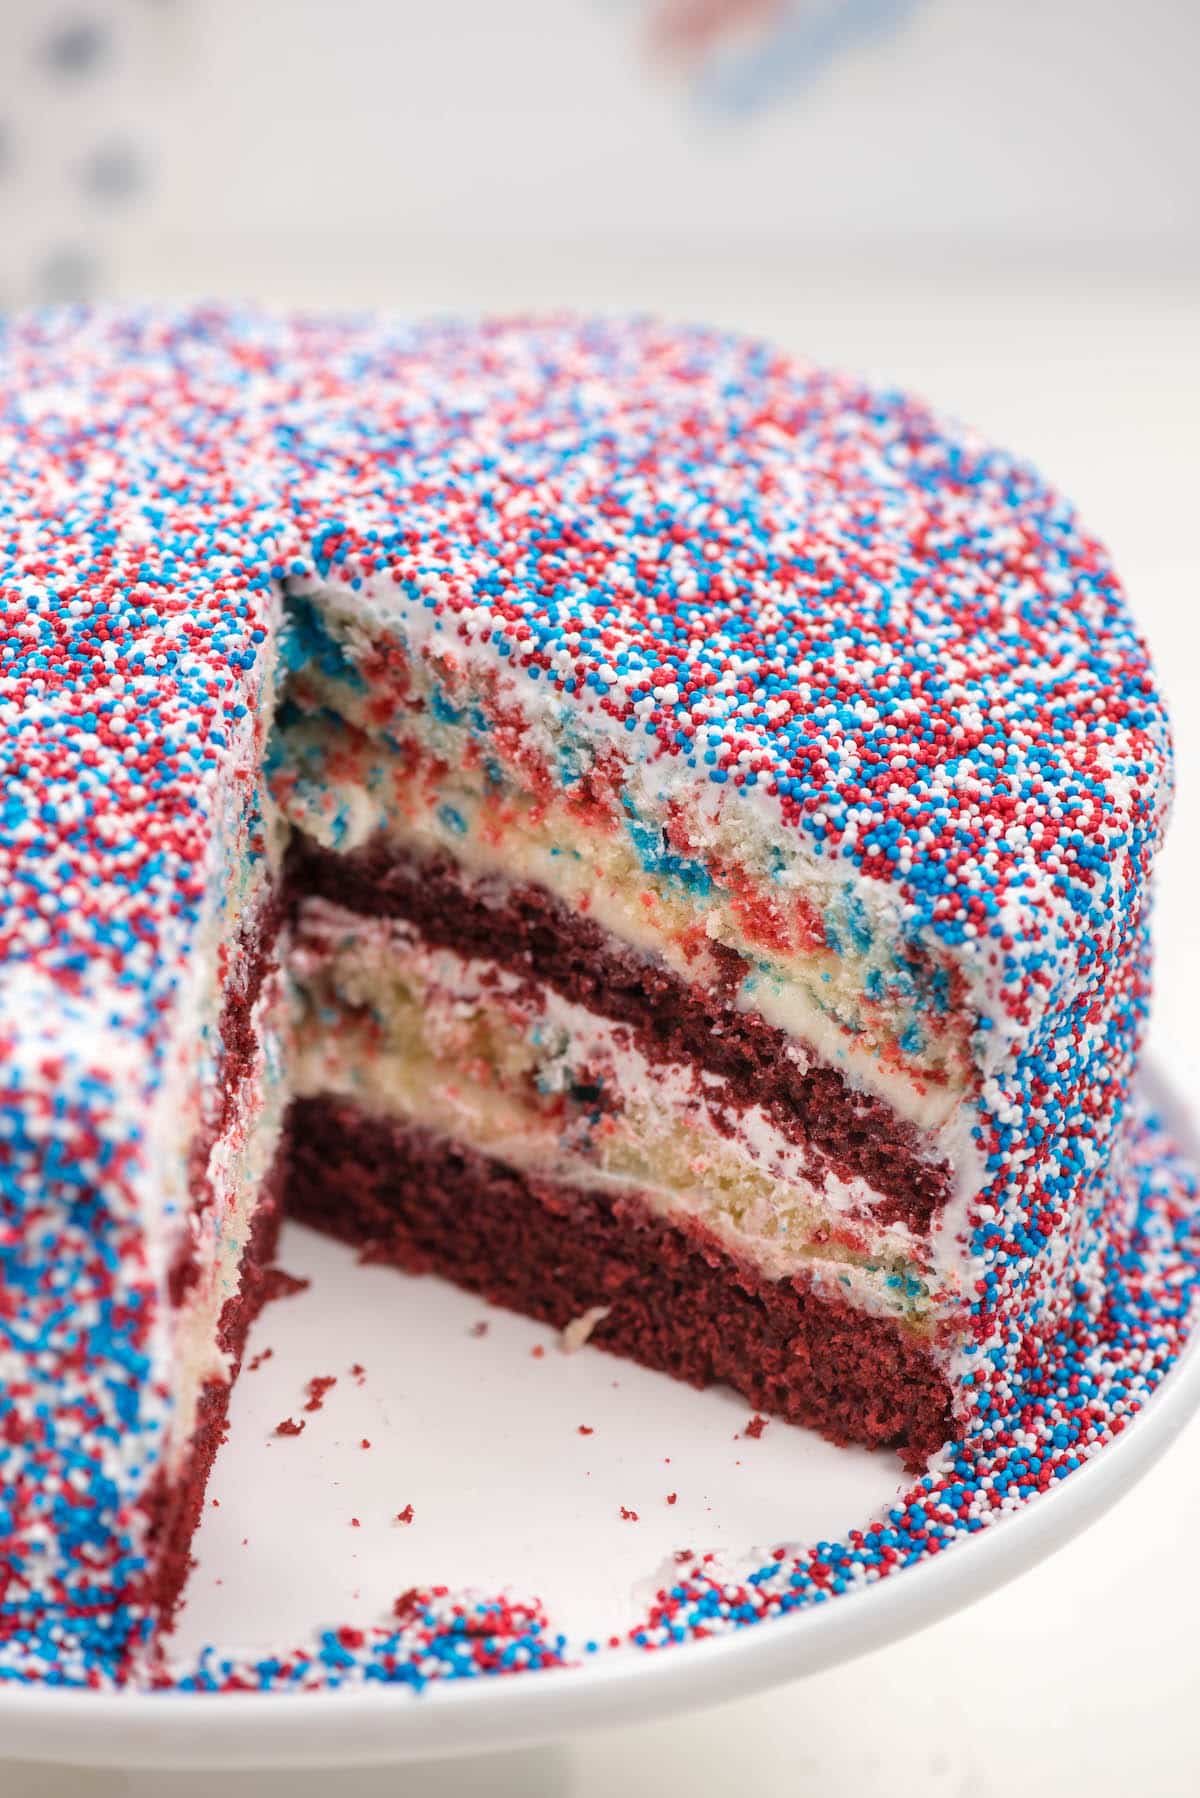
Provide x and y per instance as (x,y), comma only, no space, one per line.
(762,738)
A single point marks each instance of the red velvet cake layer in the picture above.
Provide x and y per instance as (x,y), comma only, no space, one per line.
(175,1507)
(256,956)
(527,931)
(678,1302)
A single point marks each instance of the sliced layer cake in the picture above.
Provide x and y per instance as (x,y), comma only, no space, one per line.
(655,833)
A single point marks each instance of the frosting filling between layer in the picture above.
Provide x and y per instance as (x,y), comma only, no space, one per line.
(515,1070)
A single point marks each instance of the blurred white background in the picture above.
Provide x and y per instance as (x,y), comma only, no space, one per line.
(322,148)
(993,201)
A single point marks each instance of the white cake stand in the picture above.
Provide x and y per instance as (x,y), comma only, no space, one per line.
(480,1433)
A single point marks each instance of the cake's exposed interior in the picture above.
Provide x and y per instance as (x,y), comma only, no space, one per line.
(593,1066)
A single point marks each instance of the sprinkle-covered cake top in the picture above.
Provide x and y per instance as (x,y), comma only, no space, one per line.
(817,597)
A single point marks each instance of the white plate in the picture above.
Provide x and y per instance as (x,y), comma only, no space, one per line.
(481,1436)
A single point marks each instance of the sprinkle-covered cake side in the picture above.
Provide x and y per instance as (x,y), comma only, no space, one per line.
(833,715)
(132,863)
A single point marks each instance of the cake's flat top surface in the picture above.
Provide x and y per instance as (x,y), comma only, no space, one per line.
(902,640)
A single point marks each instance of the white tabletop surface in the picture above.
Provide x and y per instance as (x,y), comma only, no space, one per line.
(1082,1676)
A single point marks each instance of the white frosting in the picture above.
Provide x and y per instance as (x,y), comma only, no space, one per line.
(575,1334)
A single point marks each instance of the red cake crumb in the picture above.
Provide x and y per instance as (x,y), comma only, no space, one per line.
(278,1284)
(355,1524)
(537,1351)
(365,1443)
(671,1497)
(289,1427)
(257,1360)
(406,1515)
(406,1605)
(754,1428)
(585,1429)
(317,1387)
(359,1371)
(629,1516)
